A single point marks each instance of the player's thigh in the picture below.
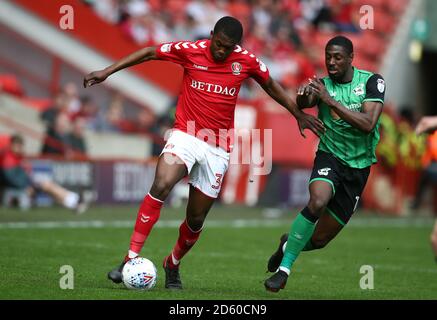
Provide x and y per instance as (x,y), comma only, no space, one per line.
(175,162)
(321,193)
(199,203)
(207,175)
(326,229)
(346,200)
(169,171)
(324,180)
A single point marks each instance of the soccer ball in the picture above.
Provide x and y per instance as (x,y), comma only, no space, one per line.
(139,273)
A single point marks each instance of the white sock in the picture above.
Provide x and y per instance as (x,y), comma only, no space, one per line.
(131,254)
(286,270)
(71,200)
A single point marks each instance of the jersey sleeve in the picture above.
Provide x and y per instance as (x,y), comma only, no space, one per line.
(375,89)
(259,71)
(176,52)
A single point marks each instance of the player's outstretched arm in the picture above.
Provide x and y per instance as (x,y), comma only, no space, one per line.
(426,124)
(137,57)
(274,90)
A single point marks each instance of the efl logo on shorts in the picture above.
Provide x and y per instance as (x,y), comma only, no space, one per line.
(324,171)
(236,68)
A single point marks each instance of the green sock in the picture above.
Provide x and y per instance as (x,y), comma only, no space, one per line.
(300,233)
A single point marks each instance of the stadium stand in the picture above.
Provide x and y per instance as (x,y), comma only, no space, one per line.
(297,32)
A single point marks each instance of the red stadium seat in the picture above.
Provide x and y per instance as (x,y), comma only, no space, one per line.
(4,140)
(40,104)
(10,84)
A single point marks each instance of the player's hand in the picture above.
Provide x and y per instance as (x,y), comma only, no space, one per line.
(94,77)
(307,121)
(319,89)
(304,90)
(426,124)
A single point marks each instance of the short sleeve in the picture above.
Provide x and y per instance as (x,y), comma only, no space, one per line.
(173,51)
(259,71)
(375,89)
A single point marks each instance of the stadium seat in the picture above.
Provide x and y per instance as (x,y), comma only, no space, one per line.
(10,84)
(39,104)
(4,140)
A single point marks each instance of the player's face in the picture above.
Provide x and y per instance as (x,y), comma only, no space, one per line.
(221,46)
(337,61)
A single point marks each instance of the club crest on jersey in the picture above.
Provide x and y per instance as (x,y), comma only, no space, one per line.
(359,90)
(236,68)
(380,85)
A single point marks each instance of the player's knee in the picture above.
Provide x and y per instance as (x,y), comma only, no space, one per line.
(317,205)
(161,187)
(195,222)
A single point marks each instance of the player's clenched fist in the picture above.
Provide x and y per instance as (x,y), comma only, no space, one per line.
(94,77)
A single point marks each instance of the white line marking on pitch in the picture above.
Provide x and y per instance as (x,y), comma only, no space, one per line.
(238,223)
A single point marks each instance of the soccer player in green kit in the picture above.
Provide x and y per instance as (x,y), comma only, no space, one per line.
(350,102)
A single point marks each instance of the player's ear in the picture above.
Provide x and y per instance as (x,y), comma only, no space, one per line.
(351,56)
(211,34)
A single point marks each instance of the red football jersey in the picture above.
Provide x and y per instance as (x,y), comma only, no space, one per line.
(207,100)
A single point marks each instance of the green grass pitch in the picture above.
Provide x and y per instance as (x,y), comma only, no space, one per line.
(228,262)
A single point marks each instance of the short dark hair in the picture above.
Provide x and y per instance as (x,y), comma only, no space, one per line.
(230,27)
(16,138)
(342,42)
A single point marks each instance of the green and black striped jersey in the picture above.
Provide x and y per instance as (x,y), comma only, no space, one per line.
(350,145)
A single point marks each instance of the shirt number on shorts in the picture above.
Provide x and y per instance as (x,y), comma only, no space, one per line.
(218,181)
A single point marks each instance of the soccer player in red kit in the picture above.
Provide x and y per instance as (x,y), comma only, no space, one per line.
(198,146)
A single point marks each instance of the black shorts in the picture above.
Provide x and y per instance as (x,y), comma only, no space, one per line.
(347,184)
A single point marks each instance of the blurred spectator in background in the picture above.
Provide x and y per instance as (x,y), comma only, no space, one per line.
(56,138)
(76,140)
(144,121)
(345,16)
(88,111)
(429,164)
(185,30)
(72,97)
(429,125)
(317,13)
(49,115)
(110,119)
(18,184)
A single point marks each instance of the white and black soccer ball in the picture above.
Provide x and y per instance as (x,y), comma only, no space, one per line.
(139,273)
